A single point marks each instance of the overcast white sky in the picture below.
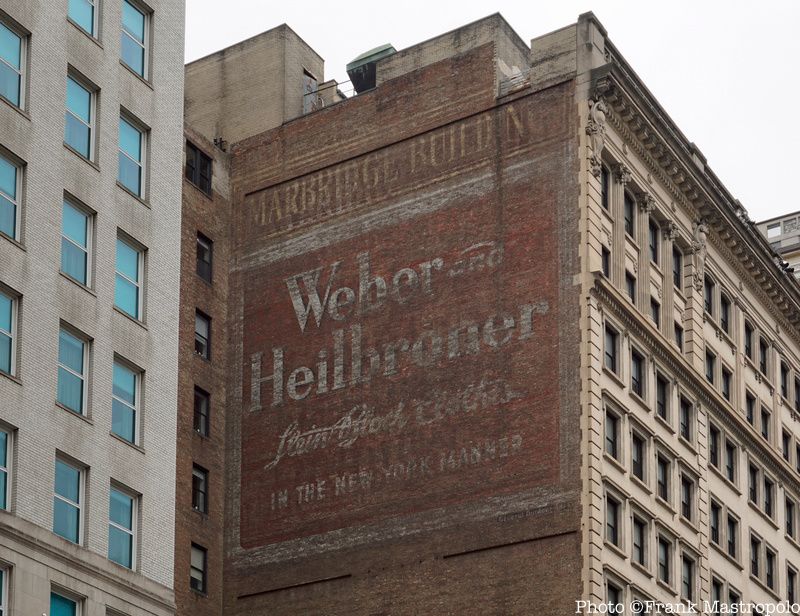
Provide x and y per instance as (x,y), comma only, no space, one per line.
(726,72)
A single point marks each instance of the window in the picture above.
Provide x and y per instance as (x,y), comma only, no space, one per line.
(726,383)
(711,366)
(125,402)
(12,60)
(121,520)
(8,318)
(784,380)
(686,418)
(713,445)
(755,553)
(797,457)
(10,189)
(662,477)
(725,313)
(199,489)
(202,407)
(198,168)
(202,335)
(786,446)
(687,578)
(197,572)
(79,128)
(797,393)
(67,501)
(639,541)
(750,407)
(612,434)
(753,484)
(763,351)
(664,558)
(134,44)
(605,187)
(82,14)
(708,295)
(655,311)
(730,461)
(653,232)
(205,256)
(630,214)
(662,397)
(127,292)
(733,535)
(714,522)
(60,605)
(72,371)
(610,351)
(790,519)
(5,462)
(612,520)
(679,336)
(769,568)
(687,497)
(131,159)
(769,494)
(76,228)
(765,422)
(630,286)
(3,591)
(637,373)
(774,230)
(734,597)
(748,340)
(605,255)
(791,584)
(637,456)
(716,592)
(677,268)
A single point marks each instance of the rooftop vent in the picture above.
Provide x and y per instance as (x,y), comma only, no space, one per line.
(362,70)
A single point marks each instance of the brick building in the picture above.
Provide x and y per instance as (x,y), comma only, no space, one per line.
(90,152)
(487,337)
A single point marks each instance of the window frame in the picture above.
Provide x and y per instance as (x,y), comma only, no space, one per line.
(202,392)
(140,268)
(12,334)
(95,33)
(24,41)
(68,596)
(7,468)
(208,246)
(145,45)
(90,214)
(638,367)
(144,142)
(654,241)
(200,504)
(85,376)
(78,506)
(613,527)
(629,207)
(19,174)
(93,91)
(612,441)
(199,314)
(136,409)
(204,571)
(195,159)
(664,539)
(665,461)
(132,531)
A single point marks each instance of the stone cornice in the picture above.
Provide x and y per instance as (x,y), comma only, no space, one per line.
(610,300)
(639,119)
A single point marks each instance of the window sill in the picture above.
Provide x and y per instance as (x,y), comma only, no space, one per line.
(614,376)
(19,110)
(724,478)
(763,515)
(11,377)
(641,568)
(687,443)
(117,437)
(14,242)
(208,196)
(641,483)
(722,551)
(144,80)
(91,37)
(666,585)
(133,194)
(74,414)
(763,585)
(665,423)
(88,161)
(666,504)
(201,594)
(614,462)
(79,284)
(689,523)
(640,400)
(130,318)
(616,549)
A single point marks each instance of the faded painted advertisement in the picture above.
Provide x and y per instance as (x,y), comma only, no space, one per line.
(413,366)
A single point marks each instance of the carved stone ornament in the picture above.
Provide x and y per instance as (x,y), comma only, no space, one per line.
(699,253)
(622,173)
(596,129)
(671,231)
(647,203)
